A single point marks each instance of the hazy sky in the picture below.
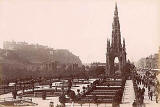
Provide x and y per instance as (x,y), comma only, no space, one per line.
(82,26)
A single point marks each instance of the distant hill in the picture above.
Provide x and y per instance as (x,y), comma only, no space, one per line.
(64,56)
(33,53)
(15,58)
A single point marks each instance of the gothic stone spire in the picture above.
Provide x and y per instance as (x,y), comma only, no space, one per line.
(115,49)
(116,36)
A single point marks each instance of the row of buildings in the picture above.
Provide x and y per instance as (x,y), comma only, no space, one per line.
(51,66)
(12,45)
(151,62)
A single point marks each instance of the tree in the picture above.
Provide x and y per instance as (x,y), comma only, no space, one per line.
(71,94)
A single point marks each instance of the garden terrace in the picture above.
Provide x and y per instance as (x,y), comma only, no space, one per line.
(102,93)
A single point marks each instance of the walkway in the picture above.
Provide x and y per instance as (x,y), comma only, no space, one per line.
(128,95)
(147,101)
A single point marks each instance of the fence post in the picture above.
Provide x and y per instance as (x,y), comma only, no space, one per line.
(123,94)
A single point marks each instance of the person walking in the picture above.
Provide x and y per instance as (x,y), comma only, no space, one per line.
(142,99)
(156,96)
(143,91)
(149,87)
(134,104)
(151,95)
(51,104)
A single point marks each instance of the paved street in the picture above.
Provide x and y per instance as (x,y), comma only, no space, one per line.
(128,95)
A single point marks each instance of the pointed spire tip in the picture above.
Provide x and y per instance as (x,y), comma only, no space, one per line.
(116,9)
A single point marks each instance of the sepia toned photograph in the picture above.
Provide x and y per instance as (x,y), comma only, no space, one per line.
(79,53)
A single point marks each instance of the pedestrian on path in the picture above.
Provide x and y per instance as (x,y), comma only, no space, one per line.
(149,87)
(156,97)
(151,95)
(134,103)
(51,104)
(142,98)
(143,91)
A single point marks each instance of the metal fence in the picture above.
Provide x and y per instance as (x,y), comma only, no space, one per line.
(88,105)
(17,99)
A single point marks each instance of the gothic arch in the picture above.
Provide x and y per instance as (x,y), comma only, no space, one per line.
(115,48)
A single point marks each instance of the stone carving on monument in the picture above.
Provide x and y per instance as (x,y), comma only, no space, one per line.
(115,48)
